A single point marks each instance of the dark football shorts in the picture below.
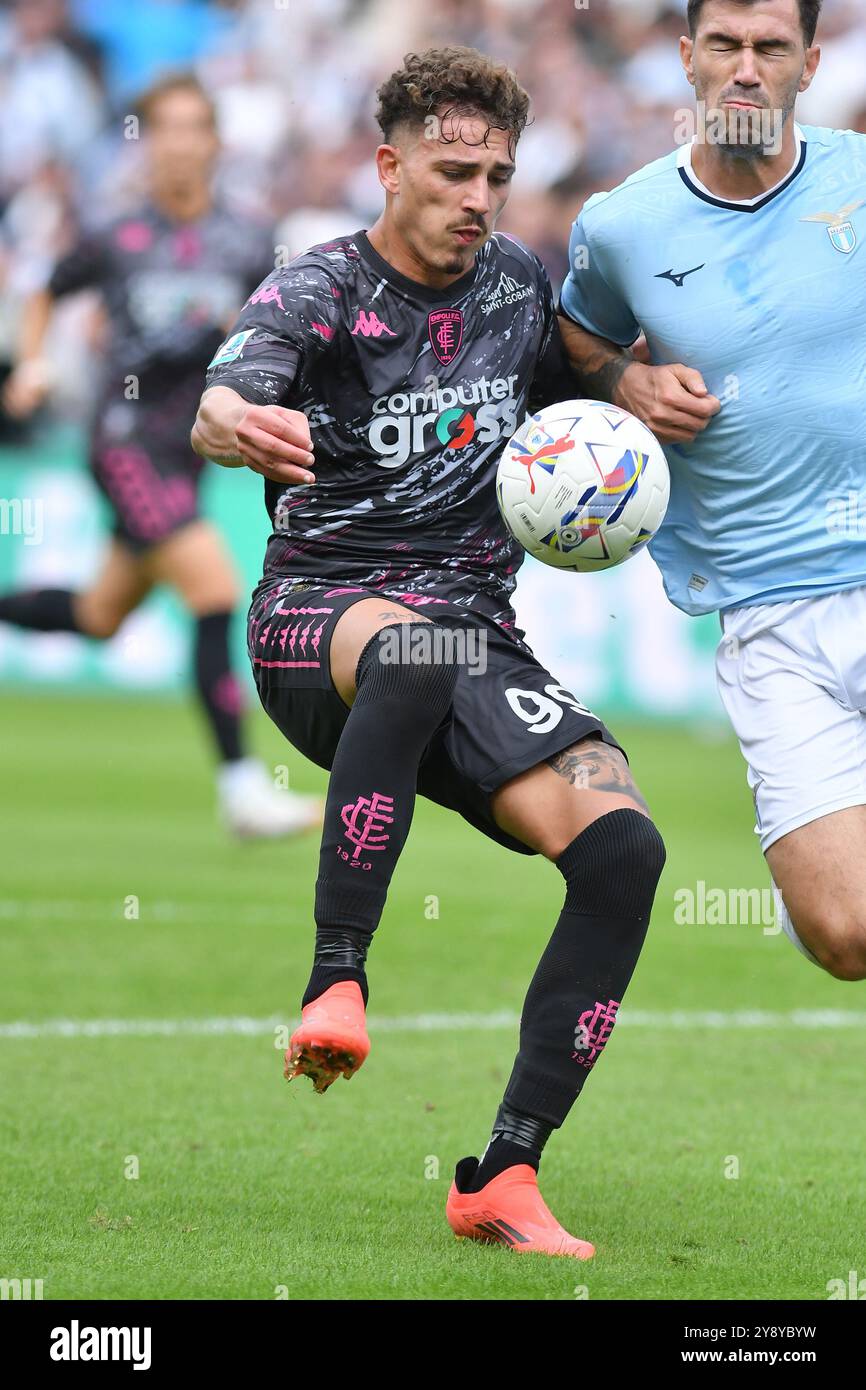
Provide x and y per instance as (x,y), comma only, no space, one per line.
(508,712)
(149,476)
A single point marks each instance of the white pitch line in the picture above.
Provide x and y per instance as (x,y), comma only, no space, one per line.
(149,910)
(800,1020)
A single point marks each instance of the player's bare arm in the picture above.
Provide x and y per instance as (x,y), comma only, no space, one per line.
(269,439)
(672,401)
(30,380)
(599,364)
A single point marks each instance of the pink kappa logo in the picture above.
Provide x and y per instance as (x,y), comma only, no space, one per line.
(369,325)
(134,236)
(445,329)
(228,694)
(268,294)
(365,821)
(594,1027)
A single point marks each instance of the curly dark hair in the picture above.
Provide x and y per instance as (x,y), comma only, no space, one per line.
(453,81)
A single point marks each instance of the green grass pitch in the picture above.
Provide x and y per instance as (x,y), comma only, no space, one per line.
(249,1188)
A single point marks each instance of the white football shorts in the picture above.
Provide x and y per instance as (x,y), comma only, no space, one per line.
(792,677)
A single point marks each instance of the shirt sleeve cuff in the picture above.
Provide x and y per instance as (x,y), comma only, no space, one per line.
(243,387)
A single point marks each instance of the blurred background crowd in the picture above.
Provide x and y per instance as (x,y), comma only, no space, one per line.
(294,82)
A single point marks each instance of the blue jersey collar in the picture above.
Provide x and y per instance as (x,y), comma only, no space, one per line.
(694,185)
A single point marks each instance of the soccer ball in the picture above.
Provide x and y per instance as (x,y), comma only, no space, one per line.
(583,485)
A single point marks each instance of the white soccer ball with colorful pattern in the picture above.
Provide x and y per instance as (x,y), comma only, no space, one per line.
(583,485)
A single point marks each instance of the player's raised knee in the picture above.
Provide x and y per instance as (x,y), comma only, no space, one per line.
(409,660)
(616,863)
(841,949)
(99,621)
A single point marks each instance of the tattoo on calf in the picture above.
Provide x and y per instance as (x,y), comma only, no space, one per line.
(400,615)
(597,768)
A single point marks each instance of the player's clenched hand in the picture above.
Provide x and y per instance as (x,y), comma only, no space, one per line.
(276,442)
(672,401)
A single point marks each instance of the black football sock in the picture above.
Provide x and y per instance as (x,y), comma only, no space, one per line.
(341,954)
(611,872)
(516,1138)
(41,610)
(405,685)
(218,687)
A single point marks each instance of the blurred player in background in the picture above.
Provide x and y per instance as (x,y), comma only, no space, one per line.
(741,258)
(171,277)
(406,357)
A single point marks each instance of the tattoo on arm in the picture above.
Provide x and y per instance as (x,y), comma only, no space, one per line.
(601,382)
(596,767)
(598,364)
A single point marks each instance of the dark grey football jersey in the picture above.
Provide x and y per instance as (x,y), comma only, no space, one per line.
(411,394)
(169,289)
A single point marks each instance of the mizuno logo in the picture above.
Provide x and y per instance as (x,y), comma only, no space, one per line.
(677,277)
(371,326)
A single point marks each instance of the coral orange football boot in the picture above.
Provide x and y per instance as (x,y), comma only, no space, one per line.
(332,1038)
(510,1211)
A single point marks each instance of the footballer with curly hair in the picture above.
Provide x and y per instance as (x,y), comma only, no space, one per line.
(373,383)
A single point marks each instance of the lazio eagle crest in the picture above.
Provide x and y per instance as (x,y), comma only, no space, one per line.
(840,228)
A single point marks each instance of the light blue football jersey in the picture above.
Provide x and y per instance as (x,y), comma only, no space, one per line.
(767,299)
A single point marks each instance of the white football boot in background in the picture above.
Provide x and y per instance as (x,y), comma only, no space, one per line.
(252,807)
